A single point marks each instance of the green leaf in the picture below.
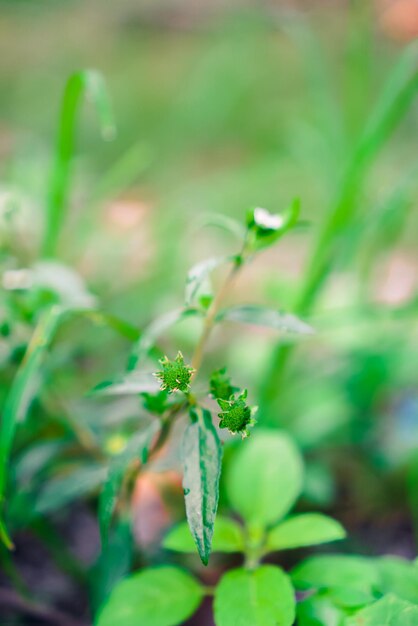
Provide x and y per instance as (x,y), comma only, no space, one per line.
(198,276)
(318,610)
(263,597)
(228,536)
(137,448)
(226,223)
(399,577)
(150,335)
(160,596)
(62,490)
(264,478)
(336,572)
(307,529)
(131,384)
(202,460)
(22,389)
(263,316)
(389,611)
(91,84)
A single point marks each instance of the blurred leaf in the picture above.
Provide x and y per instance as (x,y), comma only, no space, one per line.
(266,228)
(202,458)
(400,577)
(137,448)
(336,572)
(227,537)
(154,331)
(263,316)
(263,597)
(389,611)
(318,610)
(160,596)
(132,384)
(307,529)
(62,490)
(35,458)
(21,392)
(113,563)
(91,84)
(264,478)
(197,276)
(227,223)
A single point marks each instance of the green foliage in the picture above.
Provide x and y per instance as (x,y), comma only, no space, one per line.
(160,596)
(220,385)
(228,536)
(202,457)
(306,529)
(265,477)
(389,611)
(263,597)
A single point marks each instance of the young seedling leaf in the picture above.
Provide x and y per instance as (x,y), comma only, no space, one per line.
(198,276)
(263,597)
(263,316)
(264,478)
(228,536)
(307,529)
(336,572)
(202,459)
(158,596)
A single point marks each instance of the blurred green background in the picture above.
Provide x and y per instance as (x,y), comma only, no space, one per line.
(221,107)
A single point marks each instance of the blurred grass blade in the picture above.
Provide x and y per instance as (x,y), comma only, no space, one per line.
(21,390)
(91,84)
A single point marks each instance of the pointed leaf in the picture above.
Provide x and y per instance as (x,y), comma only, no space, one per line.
(227,537)
(263,316)
(264,478)
(307,529)
(131,384)
(202,459)
(158,596)
(263,597)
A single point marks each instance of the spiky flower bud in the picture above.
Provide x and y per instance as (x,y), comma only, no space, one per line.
(175,375)
(236,415)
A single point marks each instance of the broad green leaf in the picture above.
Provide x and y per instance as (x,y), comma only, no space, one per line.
(137,448)
(198,276)
(202,459)
(318,610)
(389,611)
(227,537)
(131,384)
(307,529)
(398,576)
(336,572)
(263,316)
(264,478)
(62,490)
(159,596)
(263,597)
(91,84)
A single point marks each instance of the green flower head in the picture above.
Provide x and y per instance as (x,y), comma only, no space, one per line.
(236,415)
(175,375)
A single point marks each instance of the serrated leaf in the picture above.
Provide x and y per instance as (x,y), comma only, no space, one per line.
(307,529)
(160,596)
(202,459)
(389,611)
(263,597)
(227,537)
(198,275)
(263,316)
(137,448)
(264,477)
(132,384)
